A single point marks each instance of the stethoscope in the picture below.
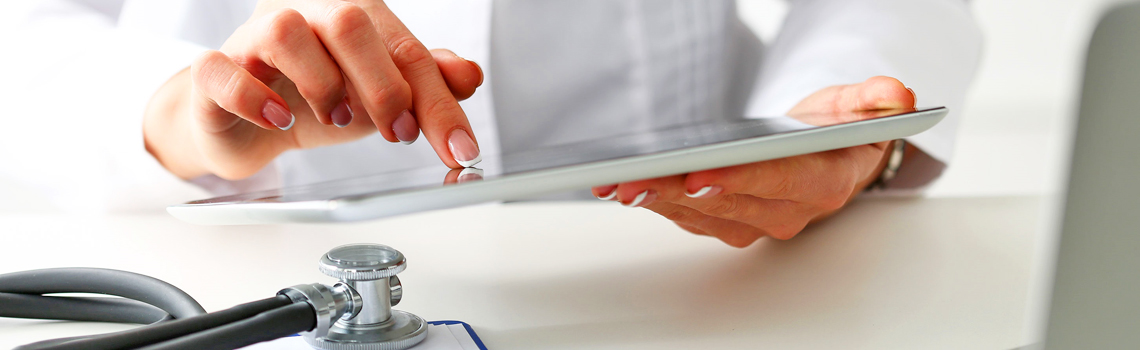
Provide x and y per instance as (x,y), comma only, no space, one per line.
(353,314)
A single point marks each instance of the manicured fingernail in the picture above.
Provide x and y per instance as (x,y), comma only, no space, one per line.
(707,191)
(477,67)
(469,174)
(609,194)
(642,199)
(463,148)
(277,115)
(342,115)
(912,94)
(406,128)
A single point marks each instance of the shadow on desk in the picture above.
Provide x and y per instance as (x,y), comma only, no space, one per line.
(885,272)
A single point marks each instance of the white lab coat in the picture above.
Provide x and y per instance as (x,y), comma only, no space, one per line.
(78,73)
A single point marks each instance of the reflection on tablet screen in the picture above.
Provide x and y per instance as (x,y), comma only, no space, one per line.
(553,156)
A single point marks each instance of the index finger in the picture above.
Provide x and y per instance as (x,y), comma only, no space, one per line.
(436,110)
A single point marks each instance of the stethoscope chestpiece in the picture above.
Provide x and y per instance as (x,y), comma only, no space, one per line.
(361,303)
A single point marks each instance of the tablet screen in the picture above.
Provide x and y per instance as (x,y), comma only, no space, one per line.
(666,139)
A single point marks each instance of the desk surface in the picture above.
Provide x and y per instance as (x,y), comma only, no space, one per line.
(884,274)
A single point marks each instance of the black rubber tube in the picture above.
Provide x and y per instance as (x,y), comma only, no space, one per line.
(103,281)
(142,336)
(50,342)
(280,322)
(115,310)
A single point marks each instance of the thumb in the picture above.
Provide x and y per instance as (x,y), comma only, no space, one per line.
(876,93)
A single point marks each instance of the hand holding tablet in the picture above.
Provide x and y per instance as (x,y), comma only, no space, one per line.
(659,153)
(775,198)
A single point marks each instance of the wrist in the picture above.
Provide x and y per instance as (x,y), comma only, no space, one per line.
(889,166)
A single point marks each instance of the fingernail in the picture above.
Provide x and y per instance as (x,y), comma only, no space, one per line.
(642,199)
(707,191)
(608,195)
(912,94)
(342,115)
(477,67)
(277,115)
(463,148)
(406,128)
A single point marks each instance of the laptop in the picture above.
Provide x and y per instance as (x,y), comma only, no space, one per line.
(1096,291)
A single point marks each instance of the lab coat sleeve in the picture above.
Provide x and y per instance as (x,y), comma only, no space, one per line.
(932,46)
(75,90)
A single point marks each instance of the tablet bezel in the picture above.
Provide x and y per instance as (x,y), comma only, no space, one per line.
(552,180)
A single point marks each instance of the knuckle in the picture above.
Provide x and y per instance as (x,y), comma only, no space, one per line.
(327,87)
(782,232)
(408,51)
(329,92)
(283,27)
(348,21)
(691,229)
(787,229)
(235,90)
(738,240)
(678,215)
(834,202)
(783,187)
(210,75)
(728,207)
(835,194)
(438,103)
(391,93)
(205,59)
(206,66)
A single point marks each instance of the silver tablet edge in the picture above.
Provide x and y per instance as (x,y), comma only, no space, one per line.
(541,182)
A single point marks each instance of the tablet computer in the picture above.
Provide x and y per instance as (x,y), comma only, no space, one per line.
(550,169)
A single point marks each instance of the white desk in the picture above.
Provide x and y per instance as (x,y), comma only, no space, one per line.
(884,274)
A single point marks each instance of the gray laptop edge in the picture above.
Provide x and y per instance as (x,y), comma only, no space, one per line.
(1096,293)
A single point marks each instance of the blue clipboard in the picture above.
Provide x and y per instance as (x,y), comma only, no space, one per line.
(466,326)
(444,323)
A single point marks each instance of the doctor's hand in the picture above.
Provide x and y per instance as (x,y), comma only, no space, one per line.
(309,73)
(775,198)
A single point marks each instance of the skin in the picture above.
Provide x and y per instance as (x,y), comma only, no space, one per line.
(317,57)
(777,198)
(312,57)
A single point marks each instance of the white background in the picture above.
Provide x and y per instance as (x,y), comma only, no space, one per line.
(1019,114)
(1017,118)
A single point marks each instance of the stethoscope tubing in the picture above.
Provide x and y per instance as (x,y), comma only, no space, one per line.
(124,284)
(177,320)
(280,322)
